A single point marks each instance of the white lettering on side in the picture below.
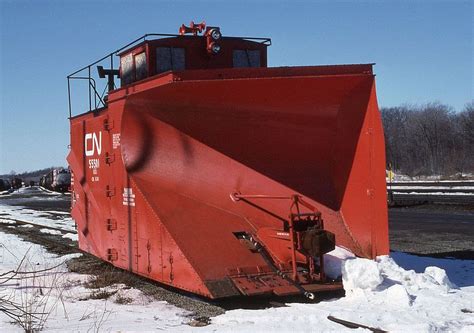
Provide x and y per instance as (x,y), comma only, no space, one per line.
(128,197)
(93,144)
(115,140)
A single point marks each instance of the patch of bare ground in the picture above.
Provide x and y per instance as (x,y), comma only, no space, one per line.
(52,243)
(105,275)
(120,299)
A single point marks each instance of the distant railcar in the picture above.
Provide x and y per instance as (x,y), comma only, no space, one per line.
(47,180)
(17,183)
(61,181)
(58,180)
(41,181)
(4,185)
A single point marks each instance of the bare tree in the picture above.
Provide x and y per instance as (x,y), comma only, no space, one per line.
(395,128)
(432,128)
(40,292)
(429,139)
(465,123)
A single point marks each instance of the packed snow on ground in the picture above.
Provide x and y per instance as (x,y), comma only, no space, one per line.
(379,294)
(59,294)
(398,293)
(427,295)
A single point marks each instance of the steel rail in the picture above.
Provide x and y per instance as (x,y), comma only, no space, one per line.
(21,222)
(433,183)
(399,198)
(441,192)
(431,190)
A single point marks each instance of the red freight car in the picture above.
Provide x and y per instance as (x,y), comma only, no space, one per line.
(210,172)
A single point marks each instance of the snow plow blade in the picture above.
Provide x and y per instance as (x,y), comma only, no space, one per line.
(229,178)
(190,143)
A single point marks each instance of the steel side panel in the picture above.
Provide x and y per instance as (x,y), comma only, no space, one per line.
(189,186)
(364,203)
(256,130)
(141,241)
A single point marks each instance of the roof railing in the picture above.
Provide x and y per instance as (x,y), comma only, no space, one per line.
(96,100)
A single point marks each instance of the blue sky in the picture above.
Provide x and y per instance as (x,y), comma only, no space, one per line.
(423,52)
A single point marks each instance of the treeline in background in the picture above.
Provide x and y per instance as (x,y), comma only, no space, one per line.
(430,139)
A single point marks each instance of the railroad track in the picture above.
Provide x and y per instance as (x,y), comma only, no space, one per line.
(407,198)
(460,183)
(448,192)
(430,190)
(21,222)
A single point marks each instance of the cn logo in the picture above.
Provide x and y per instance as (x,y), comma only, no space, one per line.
(92,144)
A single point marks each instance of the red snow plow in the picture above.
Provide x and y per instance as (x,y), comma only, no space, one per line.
(212,173)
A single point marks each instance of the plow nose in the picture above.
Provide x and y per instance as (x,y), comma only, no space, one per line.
(191,145)
(319,135)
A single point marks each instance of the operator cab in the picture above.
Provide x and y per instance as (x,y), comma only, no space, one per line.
(190,52)
(196,47)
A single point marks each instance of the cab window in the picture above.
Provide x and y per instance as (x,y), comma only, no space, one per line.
(126,68)
(246,58)
(169,58)
(133,67)
(141,69)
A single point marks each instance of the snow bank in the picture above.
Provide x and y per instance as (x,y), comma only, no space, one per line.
(379,294)
(360,274)
(460,272)
(333,261)
(367,275)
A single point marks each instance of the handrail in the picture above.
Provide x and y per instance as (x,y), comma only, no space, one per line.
(92,84)
(265,40)
(143,38)
(72,76)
